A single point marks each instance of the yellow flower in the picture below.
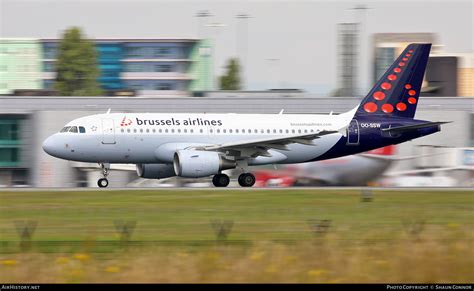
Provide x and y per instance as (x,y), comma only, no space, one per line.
(62,260)
(77,273)
(381,262)
(271,269)
(81,257)
(317,272)
(9,262)
(112,269)
(182,255)
(257,256)
(453,225)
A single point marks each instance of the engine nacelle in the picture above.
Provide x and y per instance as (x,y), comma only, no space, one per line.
(196,164)
(155,171)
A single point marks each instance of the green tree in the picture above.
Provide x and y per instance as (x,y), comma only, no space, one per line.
(231,80)
(77,69)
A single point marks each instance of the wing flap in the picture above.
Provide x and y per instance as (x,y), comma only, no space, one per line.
(276,143)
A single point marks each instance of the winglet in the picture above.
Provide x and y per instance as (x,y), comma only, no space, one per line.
(281,112)
(108,111)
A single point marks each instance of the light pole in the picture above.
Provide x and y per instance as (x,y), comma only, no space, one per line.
(217,26)
(275,71)
(200,16)
(360,17)
(242,51)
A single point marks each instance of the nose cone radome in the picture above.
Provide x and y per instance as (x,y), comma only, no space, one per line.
(50,146)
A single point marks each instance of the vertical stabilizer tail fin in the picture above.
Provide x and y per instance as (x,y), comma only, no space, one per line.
(396,93)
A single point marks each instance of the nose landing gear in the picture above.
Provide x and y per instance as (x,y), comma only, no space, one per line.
(103,182)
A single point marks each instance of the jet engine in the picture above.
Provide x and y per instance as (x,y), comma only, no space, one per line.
(155,171)
(195,164)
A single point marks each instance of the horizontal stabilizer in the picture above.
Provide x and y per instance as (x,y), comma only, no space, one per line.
(406,128)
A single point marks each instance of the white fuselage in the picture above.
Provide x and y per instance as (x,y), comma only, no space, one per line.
(154,137)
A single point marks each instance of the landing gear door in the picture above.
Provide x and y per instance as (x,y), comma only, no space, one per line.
(353,134)
(108,131)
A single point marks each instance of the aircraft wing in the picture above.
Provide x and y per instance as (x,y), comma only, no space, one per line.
(279,143)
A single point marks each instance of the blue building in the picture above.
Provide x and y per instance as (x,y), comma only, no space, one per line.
(168,66)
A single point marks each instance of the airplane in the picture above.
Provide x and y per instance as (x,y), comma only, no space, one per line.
(164,145)
(354,170)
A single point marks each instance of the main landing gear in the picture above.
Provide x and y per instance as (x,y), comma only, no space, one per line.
(220,180)
(245,180)
(103,182)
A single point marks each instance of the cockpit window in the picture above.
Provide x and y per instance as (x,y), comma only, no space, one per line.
(73,129)
(65,129)
(82,129)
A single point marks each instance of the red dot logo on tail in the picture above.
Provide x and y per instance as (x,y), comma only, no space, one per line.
(401,106)
(386,86)
(387,108)
(370,107)
(379,95)
(126,121)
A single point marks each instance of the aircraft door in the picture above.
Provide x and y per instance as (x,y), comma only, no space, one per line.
(353,134)
(108,131)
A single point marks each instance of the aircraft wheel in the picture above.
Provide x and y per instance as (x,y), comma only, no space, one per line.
(246,180)
(221,180)
(103,182)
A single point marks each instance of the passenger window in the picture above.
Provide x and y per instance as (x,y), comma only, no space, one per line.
(147,130)
(287,131)
(141,130)
(230,130)
(200,130)
(185,130)
(128,130)
(166,130)
(268,130)
(299,130)
(122,130)
(236,131)
(160,130)
(218,131)
(292,131)
(191,130)
(281,130)
(172,130)
(154,130)
(135,130)
(256,131)
(73,129)
(274,131)
(305,131)
(82,129)
(223,131)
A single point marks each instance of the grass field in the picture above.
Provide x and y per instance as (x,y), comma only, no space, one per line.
(237,236)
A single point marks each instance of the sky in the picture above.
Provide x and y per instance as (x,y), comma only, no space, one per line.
(289,44)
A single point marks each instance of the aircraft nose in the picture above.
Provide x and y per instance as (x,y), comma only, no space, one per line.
(49,145)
